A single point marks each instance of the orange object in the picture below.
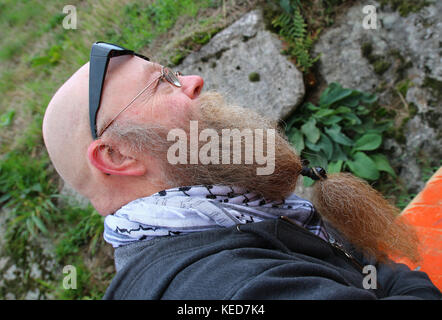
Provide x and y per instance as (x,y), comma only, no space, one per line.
(425,214)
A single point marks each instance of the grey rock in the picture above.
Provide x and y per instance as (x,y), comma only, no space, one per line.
(33,295)
(415,37)
(3,262)
(412,41)
(341,58)
(35,271)
(389,20)
(10,296)
(420,98)
(244,62)
(420,138)
(420,134)
(12,273)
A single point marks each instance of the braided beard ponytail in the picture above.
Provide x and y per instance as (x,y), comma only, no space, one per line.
(364,216)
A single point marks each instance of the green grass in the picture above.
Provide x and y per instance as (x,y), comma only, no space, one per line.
(36,56)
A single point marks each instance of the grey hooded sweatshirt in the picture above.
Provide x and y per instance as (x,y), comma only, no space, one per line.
(272,259)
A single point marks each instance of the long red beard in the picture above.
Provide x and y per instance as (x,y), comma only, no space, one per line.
(355,209)
(365,217)
(214,114)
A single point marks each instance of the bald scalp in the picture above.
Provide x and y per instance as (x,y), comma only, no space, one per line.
(84,163)
(66,130)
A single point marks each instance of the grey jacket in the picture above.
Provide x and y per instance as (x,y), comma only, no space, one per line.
(273,259)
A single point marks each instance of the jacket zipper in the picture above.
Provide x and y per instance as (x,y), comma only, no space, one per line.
(334,244)
(331,242)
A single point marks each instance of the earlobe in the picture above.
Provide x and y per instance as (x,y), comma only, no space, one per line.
(111,161)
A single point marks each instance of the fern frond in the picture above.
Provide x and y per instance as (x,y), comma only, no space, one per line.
(299,24)
(293,29)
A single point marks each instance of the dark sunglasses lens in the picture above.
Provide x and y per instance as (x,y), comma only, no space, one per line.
(171,77)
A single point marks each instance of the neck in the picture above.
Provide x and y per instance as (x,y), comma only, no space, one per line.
(118,191)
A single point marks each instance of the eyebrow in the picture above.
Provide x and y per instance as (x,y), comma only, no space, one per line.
(150,68)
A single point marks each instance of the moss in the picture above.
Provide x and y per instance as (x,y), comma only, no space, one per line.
(366,50)
(412,109)
(400,71)
(405,7)
(245,38)
(399,135)
(434,118)
(403,86)
(381,86)
(383,113)
(434,85)
(192,43)
(203,37)
(396,54)
(380,66)
(219,54)
(428,165)
(177,57)
(254,77)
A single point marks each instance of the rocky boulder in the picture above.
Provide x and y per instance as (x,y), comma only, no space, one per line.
(244,62)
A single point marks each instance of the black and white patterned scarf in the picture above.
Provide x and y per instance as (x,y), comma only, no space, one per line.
(198,208)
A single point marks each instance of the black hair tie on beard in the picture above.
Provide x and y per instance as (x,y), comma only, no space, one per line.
(315,173)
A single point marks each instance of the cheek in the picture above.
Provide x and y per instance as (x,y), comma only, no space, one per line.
(171,109)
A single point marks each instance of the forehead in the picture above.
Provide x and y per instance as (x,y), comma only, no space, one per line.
(124,68)
(148,67)
(128,74)
(125,77)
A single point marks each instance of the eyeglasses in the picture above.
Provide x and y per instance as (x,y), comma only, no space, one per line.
(101,53)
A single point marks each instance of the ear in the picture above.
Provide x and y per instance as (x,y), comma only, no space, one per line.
(109,159)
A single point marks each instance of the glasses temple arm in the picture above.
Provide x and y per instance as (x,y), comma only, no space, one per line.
(130,103)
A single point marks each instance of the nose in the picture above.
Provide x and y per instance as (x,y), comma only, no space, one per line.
(192,85)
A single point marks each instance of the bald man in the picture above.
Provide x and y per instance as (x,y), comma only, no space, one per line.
(214,230)
(83,162)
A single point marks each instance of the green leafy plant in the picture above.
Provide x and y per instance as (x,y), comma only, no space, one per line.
(27,195)
(37,55)
(340,134)
(6,118)
(87,230)
(50,58)
(293,29)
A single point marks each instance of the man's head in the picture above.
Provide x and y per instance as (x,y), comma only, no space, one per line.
(138,109)
(129,159)
(102,169)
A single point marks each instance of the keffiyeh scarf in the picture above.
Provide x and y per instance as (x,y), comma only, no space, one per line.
(198,208)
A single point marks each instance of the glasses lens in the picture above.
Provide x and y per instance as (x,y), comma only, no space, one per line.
(171,77)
